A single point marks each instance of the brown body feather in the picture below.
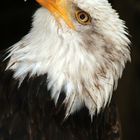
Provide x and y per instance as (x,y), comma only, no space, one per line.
(28,113)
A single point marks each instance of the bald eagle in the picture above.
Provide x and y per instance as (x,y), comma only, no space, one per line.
(56,83)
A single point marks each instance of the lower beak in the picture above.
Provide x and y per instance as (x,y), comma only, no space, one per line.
(59,9)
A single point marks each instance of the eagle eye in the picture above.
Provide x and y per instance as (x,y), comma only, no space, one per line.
(83,17)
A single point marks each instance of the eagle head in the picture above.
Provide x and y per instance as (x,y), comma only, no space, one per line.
(81,45)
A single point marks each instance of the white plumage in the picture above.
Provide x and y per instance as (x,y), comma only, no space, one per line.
(86,62)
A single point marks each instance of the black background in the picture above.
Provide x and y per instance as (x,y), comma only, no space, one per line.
(15,22)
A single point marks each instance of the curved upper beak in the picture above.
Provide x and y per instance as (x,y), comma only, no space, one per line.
(59,9)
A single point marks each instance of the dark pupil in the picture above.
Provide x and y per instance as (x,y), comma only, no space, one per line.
(82,16)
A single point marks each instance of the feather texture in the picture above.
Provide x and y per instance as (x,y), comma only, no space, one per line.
(85,64)
(59,79)
(29,113)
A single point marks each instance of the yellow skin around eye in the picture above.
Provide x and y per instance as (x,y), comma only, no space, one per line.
(86,20)
(59,8)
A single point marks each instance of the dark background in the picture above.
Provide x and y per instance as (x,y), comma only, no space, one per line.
(15,22)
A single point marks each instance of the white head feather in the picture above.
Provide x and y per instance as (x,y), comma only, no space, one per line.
(86,62)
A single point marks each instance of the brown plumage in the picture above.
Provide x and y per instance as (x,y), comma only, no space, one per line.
(57,82)
(28,113)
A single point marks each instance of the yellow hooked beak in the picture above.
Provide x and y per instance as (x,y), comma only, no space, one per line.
(59,9)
